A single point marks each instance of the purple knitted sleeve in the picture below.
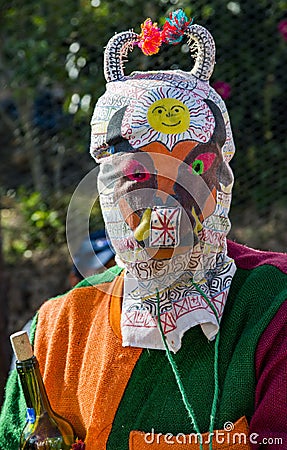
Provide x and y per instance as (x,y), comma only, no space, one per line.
(268,427)
(249,258)
(270,418)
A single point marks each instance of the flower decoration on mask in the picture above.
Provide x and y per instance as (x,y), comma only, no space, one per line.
(152,37)
(175,27)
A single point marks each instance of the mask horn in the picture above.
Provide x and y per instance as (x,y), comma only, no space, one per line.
(202,44)
(116,50)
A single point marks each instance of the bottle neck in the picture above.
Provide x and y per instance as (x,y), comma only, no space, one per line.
(33,386)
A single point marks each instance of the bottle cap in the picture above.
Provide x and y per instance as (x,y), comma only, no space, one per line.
(21,345)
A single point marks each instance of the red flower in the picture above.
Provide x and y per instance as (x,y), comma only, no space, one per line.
(282,28)
(150,38)
(78,445)
(175,26)
(223,89)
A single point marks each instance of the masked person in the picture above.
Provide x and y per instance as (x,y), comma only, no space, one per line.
(186,337)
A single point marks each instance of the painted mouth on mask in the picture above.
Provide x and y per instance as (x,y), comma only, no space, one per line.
(171,124)
(159,227)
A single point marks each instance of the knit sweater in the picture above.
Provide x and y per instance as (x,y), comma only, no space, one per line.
(119,398)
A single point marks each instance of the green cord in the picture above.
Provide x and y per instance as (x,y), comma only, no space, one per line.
(216,389)
(198,288)
(177,376)
(215,367)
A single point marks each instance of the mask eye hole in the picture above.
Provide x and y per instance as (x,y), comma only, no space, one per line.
(135,171)
(197,167)
(202,163)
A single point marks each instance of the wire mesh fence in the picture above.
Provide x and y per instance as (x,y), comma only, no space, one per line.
(51,74)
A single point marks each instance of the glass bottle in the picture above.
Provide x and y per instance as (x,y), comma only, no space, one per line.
(44,429)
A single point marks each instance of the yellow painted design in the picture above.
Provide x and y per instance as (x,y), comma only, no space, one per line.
(143,230)
(226,189)
(198,224)
(169,116)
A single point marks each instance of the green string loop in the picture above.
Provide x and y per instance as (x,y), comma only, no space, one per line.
(172,362)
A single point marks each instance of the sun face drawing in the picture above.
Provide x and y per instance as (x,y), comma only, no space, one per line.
(167,115)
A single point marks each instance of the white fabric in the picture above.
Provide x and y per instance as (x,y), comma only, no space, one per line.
(181,304)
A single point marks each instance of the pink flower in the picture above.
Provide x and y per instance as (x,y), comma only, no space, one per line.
(222,88)
(150,38)
(282,28)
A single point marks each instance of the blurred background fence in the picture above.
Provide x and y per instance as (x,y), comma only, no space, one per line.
(51,59)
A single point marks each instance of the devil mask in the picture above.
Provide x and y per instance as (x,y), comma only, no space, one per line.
(164,142)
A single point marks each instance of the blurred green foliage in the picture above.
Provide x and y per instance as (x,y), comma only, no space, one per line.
(31,224)
(40,220)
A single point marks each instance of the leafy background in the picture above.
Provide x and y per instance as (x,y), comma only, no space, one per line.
(51,58)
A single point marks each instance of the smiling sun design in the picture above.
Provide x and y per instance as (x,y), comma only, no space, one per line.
(167,115)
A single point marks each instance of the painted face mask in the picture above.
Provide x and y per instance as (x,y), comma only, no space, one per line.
(164,142)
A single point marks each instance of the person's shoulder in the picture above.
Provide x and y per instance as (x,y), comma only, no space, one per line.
(107,276)
(249,258)
(77,309)
(259,286)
